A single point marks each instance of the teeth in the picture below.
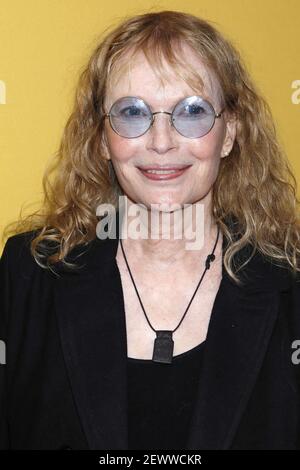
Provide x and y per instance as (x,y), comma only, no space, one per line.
(161,172)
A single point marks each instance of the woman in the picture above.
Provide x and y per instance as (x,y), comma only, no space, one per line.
(139,342)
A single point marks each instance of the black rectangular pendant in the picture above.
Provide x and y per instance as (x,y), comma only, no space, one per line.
(163,347)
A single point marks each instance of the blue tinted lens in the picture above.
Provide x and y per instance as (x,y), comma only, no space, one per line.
(193,117)
(130,117)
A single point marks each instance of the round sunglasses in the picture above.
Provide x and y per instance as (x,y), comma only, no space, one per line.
(192,117)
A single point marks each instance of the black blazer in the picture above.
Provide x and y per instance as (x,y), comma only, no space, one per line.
(64,383)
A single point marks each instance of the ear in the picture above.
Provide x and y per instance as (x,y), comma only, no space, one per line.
(104,146)
(230,135)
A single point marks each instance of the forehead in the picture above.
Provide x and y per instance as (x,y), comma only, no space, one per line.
(136,77)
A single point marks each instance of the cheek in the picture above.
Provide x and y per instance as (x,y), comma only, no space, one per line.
(120,149)
(208,148)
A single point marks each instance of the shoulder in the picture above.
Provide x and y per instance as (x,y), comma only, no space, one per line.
(16,244)
(20,243)
(18,260)
(16,257)
(261,273)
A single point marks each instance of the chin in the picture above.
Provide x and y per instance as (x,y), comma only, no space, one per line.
(169,207)
(158,202)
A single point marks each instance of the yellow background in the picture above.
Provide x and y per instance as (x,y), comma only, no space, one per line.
(45,43)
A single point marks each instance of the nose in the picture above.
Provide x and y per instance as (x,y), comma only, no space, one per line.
(161,132)
(162,112)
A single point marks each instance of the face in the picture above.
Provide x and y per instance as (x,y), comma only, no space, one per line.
(162,145)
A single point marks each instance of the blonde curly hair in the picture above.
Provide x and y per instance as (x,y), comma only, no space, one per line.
(263,199)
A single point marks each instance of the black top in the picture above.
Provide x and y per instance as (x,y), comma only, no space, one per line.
(161,400)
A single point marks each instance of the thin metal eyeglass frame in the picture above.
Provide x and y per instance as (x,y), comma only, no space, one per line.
(215,115)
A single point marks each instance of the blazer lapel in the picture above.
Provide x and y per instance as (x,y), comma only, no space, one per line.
(239,332)
(91,319)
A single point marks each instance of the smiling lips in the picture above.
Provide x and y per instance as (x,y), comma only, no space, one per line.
(160,172)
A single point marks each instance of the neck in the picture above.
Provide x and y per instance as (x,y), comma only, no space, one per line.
(165,239)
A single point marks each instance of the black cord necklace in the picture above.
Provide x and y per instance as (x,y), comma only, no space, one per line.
(163,343)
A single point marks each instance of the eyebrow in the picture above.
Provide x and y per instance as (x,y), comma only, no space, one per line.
(174,102)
